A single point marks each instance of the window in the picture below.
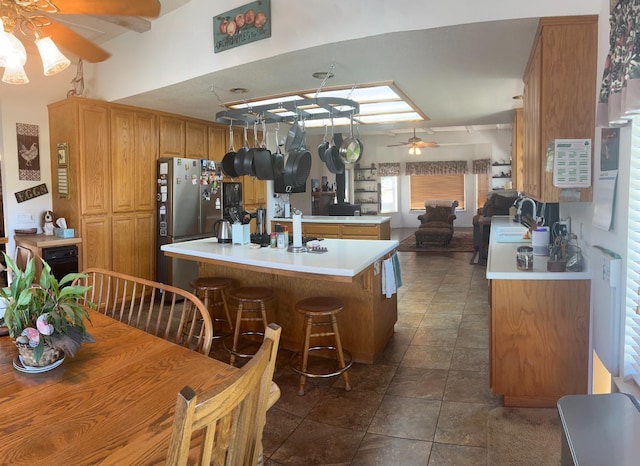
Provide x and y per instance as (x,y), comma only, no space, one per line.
(482,183)
(425,187)
(388,194)
(632,301)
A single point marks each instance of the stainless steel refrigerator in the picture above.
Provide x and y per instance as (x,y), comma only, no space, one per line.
(189,201)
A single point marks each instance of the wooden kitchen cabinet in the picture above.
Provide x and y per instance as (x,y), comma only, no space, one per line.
(218,142)
(253,193)
(172,136)
(516,151)
(136,250)
(559,98)
(97,246)
(539,340)
(343,231)
(133,160)
(197,140)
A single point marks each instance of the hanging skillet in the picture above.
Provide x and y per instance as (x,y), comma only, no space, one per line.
(238,161)
(351,148)
(335,154)
(247,161)
(228,159)
(324,145)
(277,159)
(262,161)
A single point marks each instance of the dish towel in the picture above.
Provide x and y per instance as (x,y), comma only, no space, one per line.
(388,278)
(396,270)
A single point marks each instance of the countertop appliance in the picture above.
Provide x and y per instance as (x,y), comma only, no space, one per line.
(189,200)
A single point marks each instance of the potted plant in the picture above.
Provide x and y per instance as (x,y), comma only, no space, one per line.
(45,318)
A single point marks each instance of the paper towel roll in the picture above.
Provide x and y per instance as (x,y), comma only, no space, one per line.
(540,241)
(297,230)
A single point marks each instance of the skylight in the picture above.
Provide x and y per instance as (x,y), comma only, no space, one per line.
(379,103)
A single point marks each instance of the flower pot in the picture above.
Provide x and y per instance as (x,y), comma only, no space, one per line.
(49,356)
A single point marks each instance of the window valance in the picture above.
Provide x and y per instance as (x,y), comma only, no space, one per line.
(452,167)
(481,166)
(620,89)
(389,169)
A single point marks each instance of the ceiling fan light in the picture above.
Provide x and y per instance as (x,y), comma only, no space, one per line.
(14,74)
(53,61)
(415,151)
(11,50)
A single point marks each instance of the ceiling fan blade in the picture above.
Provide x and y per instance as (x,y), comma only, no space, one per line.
(399,144)
(425,144)
(133,23)
(75,43)
(146,8)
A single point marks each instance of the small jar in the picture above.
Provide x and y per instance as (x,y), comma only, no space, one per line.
(273,239)
(524,258)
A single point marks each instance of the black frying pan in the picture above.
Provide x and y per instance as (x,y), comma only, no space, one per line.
(228,159)
(238,161)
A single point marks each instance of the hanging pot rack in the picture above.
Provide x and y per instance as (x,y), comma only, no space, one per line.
(334,107)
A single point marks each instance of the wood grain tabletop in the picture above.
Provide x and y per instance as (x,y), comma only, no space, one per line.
(113,403)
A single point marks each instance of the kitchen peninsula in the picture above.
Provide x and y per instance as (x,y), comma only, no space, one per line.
(539,326)
(346,227)
(349,270)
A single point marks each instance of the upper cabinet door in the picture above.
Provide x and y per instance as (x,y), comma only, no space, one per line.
(218,143)
(197,140)
(123,160)
(95,170)
(172,137)
(146,126)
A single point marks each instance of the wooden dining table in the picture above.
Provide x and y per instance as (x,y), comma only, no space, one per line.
(113,403)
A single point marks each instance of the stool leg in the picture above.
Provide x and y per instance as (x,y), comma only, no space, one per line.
(236,333)
(226,309)
(305,354)
(334,324)
(205,301)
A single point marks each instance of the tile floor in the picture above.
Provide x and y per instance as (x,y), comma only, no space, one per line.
(425,402)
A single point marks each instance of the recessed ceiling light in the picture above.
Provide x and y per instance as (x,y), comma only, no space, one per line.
(239,90)
(323,75)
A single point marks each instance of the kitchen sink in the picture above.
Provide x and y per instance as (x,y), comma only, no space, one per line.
(512,235)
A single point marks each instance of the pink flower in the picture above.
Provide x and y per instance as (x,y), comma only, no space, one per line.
(33,335)
(43,327)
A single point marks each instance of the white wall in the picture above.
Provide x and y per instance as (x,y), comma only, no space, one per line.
(27,104)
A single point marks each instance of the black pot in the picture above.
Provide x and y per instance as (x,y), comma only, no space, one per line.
(228,165)
(297,168)
(263,165)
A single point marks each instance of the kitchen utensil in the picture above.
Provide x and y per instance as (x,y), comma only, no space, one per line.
(238,162)
(222,230)
(262,160)
(297,168)
(228,159)
(277,159)
(295,138)
(335,154)
(351,148)
(324,145)
(247,162)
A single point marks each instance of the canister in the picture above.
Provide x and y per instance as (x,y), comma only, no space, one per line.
(524,258)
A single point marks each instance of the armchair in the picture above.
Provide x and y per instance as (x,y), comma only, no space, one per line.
(436,224)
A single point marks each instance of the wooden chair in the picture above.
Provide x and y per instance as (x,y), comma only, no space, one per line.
(162,310)
(228,421)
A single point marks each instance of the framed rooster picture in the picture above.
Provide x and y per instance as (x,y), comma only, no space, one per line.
(28,152)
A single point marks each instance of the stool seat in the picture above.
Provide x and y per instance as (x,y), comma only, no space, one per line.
(314,309)
(210,283)
(251,309)
(320,305)
(207,288)
(253,294)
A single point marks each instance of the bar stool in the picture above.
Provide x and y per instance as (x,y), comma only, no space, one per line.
(208,289)
(320,311)
(251,301)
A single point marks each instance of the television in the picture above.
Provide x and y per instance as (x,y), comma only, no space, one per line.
(280,188)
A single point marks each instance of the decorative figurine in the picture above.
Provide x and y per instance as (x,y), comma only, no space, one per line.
(48,223)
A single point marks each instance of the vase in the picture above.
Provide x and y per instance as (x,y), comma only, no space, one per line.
(49,356)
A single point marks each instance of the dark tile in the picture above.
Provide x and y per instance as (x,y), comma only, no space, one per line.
(406,418)
(443,454)
(470,387)
(289,400)
(427,357)
(450,321)
(369,377)
(471,359)
(380,450)
(278,428)
(472,338)
(351,410)
(314,443)
(463,423)
(413,382)
(475,322)
(435,337)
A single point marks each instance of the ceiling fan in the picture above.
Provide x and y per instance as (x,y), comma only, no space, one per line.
(36,20)
(415,143)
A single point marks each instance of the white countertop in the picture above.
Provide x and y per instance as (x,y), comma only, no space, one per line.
(341,219)
(345,257)
(501,261)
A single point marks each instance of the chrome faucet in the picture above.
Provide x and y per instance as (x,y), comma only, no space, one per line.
(522,199)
